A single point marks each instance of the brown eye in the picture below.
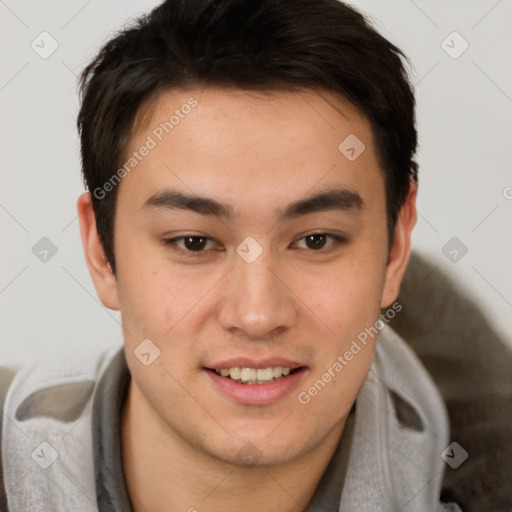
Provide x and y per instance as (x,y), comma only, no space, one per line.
(319,241)
(189,243)
(194,243)
(316,241)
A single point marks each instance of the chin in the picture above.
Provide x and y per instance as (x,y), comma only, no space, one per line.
(259,452)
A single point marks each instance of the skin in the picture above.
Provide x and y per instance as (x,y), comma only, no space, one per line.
(181,437)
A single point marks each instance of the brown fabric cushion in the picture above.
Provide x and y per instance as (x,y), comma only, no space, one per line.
(472,367)
(6,377)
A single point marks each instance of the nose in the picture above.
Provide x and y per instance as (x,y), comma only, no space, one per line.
(256,300)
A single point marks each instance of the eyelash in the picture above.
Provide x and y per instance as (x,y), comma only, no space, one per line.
(172,242)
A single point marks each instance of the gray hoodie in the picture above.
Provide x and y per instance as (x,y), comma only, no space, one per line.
(61,445)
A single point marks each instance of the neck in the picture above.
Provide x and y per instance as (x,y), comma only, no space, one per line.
(162,472)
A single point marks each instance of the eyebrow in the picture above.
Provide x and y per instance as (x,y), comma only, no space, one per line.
(338,199)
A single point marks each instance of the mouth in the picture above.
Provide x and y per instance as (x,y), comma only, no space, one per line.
(247,385)
(257,376)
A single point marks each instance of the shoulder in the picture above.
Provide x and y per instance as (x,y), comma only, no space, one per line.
(46,406)
(400,430)
(57,386)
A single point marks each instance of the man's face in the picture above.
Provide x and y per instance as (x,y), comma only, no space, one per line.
(251,289)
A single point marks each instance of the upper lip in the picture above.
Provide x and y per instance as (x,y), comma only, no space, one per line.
(247,362)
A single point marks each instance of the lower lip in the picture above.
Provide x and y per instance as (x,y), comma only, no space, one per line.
(257,394)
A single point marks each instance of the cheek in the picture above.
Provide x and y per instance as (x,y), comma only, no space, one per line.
(347,297)
(144,296)
(156,299)
(149,305)
(346,307)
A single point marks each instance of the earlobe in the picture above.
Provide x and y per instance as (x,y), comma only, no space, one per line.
(401,249)
(104,280)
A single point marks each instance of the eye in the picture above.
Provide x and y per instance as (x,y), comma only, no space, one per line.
(189,243)
(319,241)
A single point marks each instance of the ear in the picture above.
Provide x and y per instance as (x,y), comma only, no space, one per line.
(104,280)
(401,249)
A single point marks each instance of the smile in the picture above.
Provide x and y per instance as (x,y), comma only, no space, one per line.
(256,386)
(253,375)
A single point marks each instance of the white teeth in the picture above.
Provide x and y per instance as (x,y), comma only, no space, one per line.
(265,374)
(234,373)
(253,375)
(248,375)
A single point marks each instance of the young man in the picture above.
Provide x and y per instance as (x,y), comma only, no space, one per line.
(251,197)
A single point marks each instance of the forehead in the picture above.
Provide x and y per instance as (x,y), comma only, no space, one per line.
(250,143)
(307,115)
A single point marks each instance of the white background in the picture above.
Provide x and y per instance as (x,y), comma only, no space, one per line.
(464,120)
